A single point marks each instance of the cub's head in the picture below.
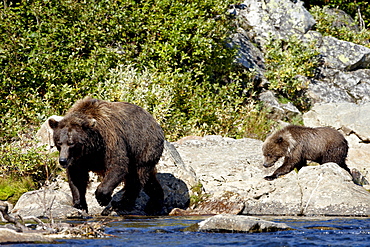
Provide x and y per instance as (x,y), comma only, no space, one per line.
(276,146)
(70,138)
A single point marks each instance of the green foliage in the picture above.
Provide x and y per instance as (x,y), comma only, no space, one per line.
(360,10)
(12,188)
(55,52)
(183,107)
(325,26)
(197,195)
(286,61)
(22,160)
(24,167)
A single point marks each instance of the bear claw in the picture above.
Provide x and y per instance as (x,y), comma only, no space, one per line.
(269,178)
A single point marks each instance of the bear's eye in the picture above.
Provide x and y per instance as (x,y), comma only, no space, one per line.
(70,143)
(59,144)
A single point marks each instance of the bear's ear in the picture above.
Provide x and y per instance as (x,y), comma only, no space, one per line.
(92,122)
(279,139)
(53,123)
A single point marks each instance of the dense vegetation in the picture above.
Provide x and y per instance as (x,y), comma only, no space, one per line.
(170,57)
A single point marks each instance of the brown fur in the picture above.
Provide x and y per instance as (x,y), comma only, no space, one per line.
(297,144)
(118,140)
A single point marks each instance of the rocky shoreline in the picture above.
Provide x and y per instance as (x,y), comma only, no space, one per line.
(215,175)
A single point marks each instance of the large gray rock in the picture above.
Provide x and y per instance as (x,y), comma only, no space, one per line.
(344,55)
(223,164)
(239,223)
(337,86)
(234,167)
(45,202)
(278,111)
(275,18)
(351,118)
(329,190)
(8,236)
(354,121)
(249,55)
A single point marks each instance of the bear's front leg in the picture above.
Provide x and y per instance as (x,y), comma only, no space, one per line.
(287,167)
(78,179)
(111,180)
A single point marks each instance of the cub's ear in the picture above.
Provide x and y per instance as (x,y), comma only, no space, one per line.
(53,123)
(279,139)
(92,122)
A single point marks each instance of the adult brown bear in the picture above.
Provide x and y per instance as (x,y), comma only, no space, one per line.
(117,140)
(297,144)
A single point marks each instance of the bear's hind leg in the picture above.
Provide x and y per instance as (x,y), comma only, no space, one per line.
(154,190)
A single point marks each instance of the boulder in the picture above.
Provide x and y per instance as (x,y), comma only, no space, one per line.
(8,236)
(354,121)
(278,111)
(249,55)
(239,223)
(326,190)
(344,55)
(45,133)
(337,86)
(230,167)
(274,19)
(341,19)
(45,202)
(282,196)
(350,117)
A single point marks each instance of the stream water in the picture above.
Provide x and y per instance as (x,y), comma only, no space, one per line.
(168,231)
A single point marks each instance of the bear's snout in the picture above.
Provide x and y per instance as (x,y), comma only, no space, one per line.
(268,164)
(63,162)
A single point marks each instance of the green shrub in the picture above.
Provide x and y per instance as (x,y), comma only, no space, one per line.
(359,10)
(286,61)
(12,188)
(184,107)
(24,167)
(325,26)
(23,159)
(55,52)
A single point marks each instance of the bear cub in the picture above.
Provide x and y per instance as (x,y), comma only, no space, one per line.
(117,140)
(297,144)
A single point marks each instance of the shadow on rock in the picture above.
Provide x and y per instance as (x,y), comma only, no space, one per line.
(176,195)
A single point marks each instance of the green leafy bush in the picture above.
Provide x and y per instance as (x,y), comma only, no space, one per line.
(55,52)
(12,188)
(24,167)
(325,26)
(183,107)
(359,10)
(23,159)
(286,61)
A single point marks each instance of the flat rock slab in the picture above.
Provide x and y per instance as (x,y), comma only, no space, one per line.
(239,223)
(8,236)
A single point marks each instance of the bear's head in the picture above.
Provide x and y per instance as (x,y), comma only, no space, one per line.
(276,146)
(72,136)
